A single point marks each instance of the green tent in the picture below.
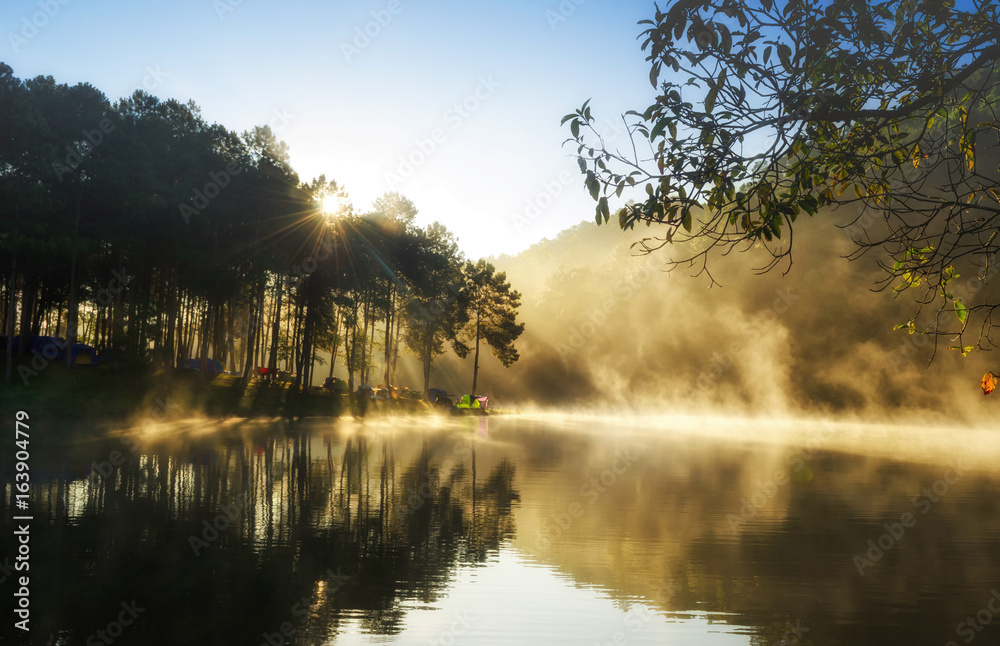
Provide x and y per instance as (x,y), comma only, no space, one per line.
(468,401)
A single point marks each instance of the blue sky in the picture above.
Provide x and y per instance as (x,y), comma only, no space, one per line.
(456,105)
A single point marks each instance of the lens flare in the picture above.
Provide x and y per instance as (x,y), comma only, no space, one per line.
(330,204)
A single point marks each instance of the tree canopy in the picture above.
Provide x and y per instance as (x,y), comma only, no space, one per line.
(493,308)
(882,116)
(141,229)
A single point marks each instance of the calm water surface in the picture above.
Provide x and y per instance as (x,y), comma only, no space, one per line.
(511,530)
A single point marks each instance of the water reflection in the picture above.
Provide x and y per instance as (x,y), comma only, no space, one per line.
(769,531)
(225,539)
(546,531)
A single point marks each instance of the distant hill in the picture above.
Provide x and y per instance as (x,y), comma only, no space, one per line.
(608,327)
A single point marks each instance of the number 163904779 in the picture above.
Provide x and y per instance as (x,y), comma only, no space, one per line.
(21,442)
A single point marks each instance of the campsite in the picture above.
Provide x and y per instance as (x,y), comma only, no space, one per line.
(555,322)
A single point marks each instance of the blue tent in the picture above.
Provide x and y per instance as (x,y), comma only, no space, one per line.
(54,349)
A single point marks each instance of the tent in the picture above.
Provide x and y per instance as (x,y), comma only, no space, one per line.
(336,384)
(438,397)
(84,355)
(468,401)
(210,366)
(54,349)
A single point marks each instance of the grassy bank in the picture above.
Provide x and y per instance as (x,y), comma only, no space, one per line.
(126,393)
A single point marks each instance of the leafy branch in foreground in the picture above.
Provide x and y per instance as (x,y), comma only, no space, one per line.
(767,111)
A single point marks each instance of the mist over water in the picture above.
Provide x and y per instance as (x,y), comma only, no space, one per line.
(541,528)
(609,329)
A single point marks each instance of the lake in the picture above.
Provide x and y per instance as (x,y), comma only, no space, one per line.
(545,529)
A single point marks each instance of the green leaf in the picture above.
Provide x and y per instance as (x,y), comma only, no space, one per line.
(785,54)
(710,99)
(960,310)
(574,127)
(658,128)
(602,208)
(593,185)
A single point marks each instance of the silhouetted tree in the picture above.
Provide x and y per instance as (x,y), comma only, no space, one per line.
(493,309)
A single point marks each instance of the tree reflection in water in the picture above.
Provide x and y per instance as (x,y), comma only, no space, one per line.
(224,540)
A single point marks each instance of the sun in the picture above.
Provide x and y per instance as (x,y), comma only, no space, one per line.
(330,204)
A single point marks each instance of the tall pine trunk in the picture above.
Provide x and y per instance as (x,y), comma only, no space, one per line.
(388,335)
(172,321)
(272,358)
(395,347)
(427,363)
(336,343)
(11,311)
(73,314)
(475,366)
(29,284)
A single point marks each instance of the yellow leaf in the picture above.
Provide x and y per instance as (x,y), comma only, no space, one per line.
(989,383)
